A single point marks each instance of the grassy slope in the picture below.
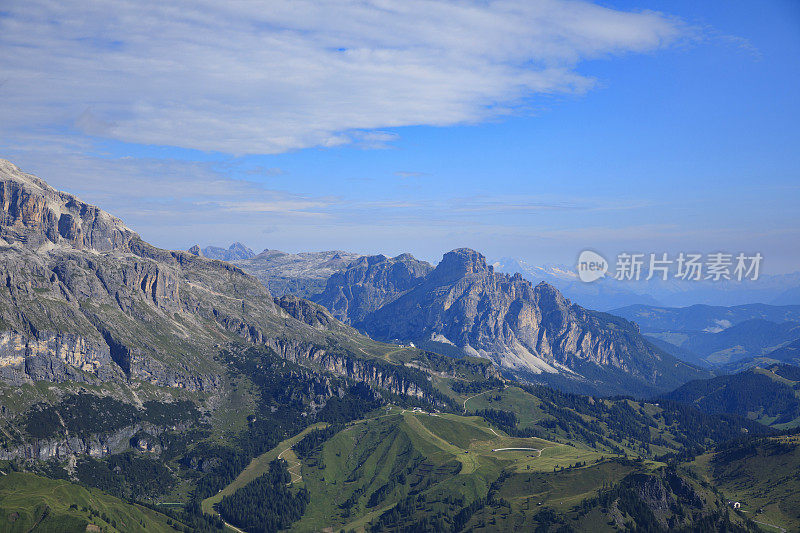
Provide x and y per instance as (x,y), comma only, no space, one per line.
(439,455)
(529,493)
(563,494)
(763,478)
(257,467)
(445,457)
(32,503)
(529,411)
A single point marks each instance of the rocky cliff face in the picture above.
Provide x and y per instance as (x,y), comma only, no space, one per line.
(36,215)
(530,331)
(307,312)
(378,374)
(83,298)
(303,274)
(369,283)
(97,445)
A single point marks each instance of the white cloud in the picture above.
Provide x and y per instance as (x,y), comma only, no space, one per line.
(409,174)
(268,77)
(297,207)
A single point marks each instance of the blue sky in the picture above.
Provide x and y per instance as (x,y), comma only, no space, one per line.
(524,129)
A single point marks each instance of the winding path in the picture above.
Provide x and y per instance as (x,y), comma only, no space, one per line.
(232,526)
(473,396)
(770,525)
(297,464)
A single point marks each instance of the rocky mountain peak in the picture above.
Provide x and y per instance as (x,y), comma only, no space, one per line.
(235,252)
(36,215)
(459,263)
(373,259)
(464,307)
(548,294)
(195,250)
(370,282)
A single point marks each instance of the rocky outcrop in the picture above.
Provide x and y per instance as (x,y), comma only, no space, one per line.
(302,274)
(94,302)
(235,252)
(663,499)
(307,312)
(464,305)
(34,214)
(54,357)
(140,435)
(393,378)
(369,283)
(95,446)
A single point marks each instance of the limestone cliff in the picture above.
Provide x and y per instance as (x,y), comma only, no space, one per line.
(532,331)
(37,215)
(369,283)
(84,298)
(302,274)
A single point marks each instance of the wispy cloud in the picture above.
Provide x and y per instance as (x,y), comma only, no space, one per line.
(297,207)
(407,174)
(269,77)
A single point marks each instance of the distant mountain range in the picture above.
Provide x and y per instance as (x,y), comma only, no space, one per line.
(363,290)
(788,354)
(603,294)
(608,293)
(303,274)
(716,336)
(463,307)
(704,318)
(234,252)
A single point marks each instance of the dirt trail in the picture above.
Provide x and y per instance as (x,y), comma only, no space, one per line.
(473,396)
(295,465)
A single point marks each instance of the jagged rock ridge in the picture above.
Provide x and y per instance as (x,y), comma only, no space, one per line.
(302,274)
(36,215)
(83,298)
(235,252)
(369,283)
(464,306)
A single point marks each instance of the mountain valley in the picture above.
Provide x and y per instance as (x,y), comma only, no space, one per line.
(144,389)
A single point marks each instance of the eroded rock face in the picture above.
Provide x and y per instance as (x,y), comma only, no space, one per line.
(527,329)
(366,371)
(305,311)
(369,283)
(54,357)
(140,435)
(302,274)
(83,298)
(35,214)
